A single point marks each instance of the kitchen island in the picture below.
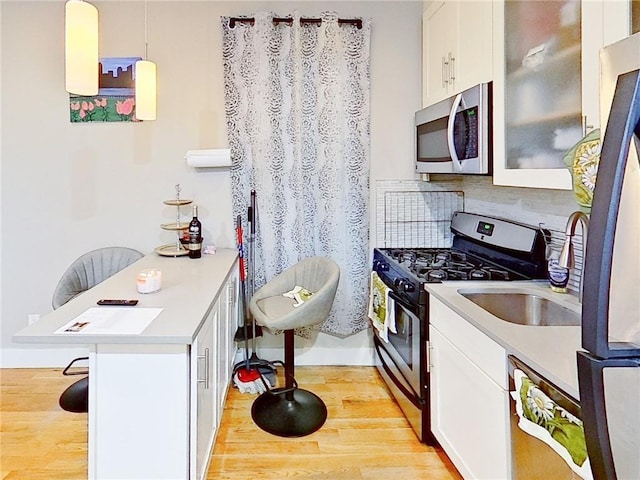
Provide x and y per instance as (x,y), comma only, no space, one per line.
(155,396)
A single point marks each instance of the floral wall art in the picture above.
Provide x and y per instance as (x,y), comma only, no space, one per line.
(115,101)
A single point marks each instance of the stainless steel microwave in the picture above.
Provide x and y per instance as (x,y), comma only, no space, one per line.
(454,135)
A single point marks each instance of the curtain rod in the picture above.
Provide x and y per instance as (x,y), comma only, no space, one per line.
(341,21)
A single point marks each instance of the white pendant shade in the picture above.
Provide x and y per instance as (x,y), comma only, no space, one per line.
(81,48)
(145,90)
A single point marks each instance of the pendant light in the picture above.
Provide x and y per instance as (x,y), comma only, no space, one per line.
(145,83)
(81,48)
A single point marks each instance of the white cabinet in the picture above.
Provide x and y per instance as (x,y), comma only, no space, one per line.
(225,344)
(203,385)
(156,395)
(155,409)
(456,47)
(546,84)
(211,366)
(469,395)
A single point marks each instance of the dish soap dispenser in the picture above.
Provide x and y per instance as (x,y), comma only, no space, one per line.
(558,276)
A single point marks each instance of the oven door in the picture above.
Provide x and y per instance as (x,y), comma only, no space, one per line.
(404,345)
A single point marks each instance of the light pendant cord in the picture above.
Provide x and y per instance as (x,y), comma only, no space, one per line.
(146,44)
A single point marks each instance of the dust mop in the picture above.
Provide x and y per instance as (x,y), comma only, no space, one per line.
(245,378)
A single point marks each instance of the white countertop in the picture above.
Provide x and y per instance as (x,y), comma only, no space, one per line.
(549,350)
(190,288)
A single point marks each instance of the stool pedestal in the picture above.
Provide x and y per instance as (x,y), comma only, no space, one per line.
(289,411)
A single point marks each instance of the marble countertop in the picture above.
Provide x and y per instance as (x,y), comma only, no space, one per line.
(549,350)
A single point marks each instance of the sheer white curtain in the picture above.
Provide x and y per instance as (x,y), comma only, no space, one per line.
(298,114)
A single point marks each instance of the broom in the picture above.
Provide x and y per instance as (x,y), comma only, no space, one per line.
(265,367)
(245,378)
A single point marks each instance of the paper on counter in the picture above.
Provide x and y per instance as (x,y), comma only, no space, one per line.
(110,321)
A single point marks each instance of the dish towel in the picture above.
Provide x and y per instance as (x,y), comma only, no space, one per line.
(299,294)
(381,311)
(542,418)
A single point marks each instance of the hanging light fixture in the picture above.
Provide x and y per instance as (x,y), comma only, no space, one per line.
(145,83)
(81,48)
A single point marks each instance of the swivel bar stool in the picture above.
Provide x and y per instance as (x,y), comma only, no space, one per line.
(292,411)
(84,273)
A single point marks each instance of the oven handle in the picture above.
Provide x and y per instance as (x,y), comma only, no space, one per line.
(411,395)
(402,303)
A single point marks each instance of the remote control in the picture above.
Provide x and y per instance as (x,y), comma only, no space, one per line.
(118,303)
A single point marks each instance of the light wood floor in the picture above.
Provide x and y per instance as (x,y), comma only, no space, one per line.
(365,436)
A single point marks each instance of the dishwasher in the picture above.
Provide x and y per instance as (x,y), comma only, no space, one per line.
(547,438)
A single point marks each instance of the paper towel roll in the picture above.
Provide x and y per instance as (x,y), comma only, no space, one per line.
(220,157)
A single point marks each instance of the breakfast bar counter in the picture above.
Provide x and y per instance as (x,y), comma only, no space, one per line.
(189,290)
(155,395)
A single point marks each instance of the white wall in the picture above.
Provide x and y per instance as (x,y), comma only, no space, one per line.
(69,188)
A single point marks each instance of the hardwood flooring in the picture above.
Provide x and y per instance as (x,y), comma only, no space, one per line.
(365,436)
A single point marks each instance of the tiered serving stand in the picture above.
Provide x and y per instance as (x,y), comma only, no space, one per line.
(176,249)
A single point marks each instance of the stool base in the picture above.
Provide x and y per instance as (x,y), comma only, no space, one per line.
(301,416)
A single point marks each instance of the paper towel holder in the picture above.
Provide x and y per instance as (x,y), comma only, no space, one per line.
(209,158)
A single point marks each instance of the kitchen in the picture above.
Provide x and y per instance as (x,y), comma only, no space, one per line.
(75,172)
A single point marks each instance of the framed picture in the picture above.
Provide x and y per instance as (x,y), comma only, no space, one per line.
(115,101)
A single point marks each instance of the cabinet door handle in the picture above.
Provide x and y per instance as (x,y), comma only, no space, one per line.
(444,72)
(452,71)
(204,357)
(429,356)
(586,128)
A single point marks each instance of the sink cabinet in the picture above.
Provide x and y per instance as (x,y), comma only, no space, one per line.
(456,37)
(469,395)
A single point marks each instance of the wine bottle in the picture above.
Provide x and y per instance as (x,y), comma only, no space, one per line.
(195,235)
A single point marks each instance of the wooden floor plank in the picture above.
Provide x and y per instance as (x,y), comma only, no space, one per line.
(365,437)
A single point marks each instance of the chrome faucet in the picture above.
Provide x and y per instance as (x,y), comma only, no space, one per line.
(567,257)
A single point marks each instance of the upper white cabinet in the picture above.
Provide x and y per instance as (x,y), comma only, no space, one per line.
(546,83)
(456,42)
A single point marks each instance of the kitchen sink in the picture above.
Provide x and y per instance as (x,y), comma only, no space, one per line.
(523,307)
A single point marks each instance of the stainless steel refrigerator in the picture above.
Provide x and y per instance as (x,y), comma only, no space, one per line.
(609,368)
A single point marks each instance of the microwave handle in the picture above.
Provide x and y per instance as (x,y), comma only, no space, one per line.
(457,101)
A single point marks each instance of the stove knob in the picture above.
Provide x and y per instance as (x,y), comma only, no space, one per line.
(398,282)
(409,287)
(380,266)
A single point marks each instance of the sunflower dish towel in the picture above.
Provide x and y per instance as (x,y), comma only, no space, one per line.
(582,161)
(381,311)
(542,418)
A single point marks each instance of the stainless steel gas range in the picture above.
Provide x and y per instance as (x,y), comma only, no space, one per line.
(484,248)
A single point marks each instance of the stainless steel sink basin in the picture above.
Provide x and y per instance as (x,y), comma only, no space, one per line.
(523,307)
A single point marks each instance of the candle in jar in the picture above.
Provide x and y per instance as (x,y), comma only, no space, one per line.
(149,280)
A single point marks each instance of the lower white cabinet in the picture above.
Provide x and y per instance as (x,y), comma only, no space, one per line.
(211,360)
(155,409)
(203,387)
(469,395)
